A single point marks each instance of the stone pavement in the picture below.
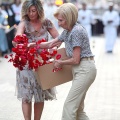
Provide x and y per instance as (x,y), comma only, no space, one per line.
(102,101)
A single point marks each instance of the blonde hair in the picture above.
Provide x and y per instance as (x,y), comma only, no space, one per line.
(27,4)
(69,12)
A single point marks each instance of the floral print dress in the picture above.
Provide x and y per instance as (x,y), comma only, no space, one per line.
(27,87)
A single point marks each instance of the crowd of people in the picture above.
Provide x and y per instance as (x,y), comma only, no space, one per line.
(9,19)
(110,23)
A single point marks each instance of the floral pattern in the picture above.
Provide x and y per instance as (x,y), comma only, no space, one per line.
(27,87)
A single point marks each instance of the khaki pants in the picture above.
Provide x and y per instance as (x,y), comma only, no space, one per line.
(83,76)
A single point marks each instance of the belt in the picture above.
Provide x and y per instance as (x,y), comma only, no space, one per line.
(88,58)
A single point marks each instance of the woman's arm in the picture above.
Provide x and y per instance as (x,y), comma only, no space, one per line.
(50,44)
(47,45)
(20,31)
(72,61)
(53,32)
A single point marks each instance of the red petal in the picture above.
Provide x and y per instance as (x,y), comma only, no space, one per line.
(6,56)
(58,56)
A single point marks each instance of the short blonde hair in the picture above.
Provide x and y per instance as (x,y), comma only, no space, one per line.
(27,4)
(69,12)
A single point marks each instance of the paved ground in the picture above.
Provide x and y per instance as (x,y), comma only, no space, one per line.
(102,100)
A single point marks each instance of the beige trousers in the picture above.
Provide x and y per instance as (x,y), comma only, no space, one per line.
(83,76)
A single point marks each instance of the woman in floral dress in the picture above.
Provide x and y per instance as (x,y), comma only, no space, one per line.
(36,27)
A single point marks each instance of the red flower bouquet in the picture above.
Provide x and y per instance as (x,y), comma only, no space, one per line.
(29,56)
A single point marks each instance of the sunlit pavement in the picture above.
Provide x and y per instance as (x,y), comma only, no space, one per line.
(102,101)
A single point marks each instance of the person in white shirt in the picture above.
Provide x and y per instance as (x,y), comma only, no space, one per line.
(4,13)
(17,10)
(111,22)
(3,39)
(85,18)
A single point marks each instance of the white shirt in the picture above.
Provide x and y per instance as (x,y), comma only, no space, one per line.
(113,16)
(17,11)
(85,17)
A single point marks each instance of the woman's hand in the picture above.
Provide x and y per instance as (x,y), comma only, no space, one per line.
(54,43)
(30,45)
(57,64)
